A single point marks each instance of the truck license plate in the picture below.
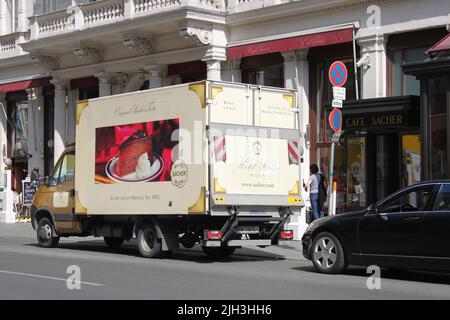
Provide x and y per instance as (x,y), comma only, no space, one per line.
(247,229)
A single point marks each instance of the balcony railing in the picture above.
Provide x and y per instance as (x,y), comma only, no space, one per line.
(88,15)
(9,44)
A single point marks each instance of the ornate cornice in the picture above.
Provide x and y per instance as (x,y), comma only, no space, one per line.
(94,55)
(141,44)
(197,35)
(290,13)
(49,63)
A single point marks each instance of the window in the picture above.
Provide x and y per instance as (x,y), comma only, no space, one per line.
(267,69)
(48,6)
(413,200)
(438,88)
(405,84)
(64,170)
(443,199)
(20,138)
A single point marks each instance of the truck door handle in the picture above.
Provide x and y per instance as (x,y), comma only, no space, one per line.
(412,219)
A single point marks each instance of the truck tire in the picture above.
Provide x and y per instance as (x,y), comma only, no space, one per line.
(218,252)
(327,254)
(113,242)
(44,233)
(148,243)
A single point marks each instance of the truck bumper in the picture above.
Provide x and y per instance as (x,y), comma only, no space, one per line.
(244,243)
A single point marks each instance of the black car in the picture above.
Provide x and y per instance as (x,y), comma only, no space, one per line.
(409,229)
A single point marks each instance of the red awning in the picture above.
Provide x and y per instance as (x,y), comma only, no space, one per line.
(289,44)
(442,45)
(26,84)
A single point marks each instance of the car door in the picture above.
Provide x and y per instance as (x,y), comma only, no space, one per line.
(436,226)
(395,228)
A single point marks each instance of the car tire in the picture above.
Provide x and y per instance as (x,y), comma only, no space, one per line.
(114,242)
(44,232)
(148,243)
(327,254)
(218,252)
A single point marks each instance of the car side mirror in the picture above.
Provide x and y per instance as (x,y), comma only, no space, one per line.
(372,209)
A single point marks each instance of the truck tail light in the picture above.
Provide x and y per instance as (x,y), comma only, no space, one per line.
(287,235)
(213,234)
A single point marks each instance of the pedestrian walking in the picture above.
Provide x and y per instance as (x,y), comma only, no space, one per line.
(317,191)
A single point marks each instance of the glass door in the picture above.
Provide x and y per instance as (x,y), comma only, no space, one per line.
(356,186)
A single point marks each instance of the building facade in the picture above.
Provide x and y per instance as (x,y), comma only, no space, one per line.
(56,52)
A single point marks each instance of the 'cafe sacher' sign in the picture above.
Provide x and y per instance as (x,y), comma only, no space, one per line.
(378,120)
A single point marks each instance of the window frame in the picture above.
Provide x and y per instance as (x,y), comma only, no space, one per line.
(428,207)
(57,168)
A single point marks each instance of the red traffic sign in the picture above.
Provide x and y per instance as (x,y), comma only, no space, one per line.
(338,74)
(335,120)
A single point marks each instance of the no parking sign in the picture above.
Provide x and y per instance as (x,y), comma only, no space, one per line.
(338,74)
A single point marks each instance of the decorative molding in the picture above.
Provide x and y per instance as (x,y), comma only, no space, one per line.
(197,35)
(94,55)
(141,44)
(49,63)
(283,12)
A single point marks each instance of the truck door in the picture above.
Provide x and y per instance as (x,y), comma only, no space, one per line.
(60,192)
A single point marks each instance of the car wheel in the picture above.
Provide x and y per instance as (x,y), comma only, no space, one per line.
(327,254)
(44,233)
(113,242)
(148,243)
(218,252)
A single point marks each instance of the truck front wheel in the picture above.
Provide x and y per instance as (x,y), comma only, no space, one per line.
(218,252)
(45,234)
(148,242)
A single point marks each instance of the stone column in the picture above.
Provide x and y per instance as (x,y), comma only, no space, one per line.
(231,70)
(3,141)
(296,76)
(22,22)
(59,119)
(213,69)
(104,83)
(72,99)
(155,75)
(35,129)
(373,69)
(260,78)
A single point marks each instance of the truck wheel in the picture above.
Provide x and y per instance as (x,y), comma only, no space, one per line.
(327,254)
(113,242)
(218,252)
(148,242)
(44,234)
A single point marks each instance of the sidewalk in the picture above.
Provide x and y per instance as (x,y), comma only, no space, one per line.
(290,252)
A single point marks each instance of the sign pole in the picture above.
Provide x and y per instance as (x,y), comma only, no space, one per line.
(330,182)
(337,75)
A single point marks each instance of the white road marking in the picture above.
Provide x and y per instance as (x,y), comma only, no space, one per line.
(47,277)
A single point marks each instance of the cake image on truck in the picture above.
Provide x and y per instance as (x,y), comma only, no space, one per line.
(214,164)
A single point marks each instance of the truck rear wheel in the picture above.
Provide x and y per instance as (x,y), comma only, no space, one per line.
(44,234)
(113,242)
(218,252)
(148,243)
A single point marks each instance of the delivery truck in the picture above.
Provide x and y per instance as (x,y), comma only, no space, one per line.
(214,164)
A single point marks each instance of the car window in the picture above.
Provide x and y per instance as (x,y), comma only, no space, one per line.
(64,170)
(413,200)
(443,199)
(67,168)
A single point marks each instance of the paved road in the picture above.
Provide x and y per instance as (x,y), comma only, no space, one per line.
(31,272)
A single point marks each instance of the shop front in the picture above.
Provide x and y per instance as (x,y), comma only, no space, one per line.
(379,150)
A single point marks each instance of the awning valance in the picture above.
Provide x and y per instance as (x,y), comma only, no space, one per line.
(25,84)
(292,43)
